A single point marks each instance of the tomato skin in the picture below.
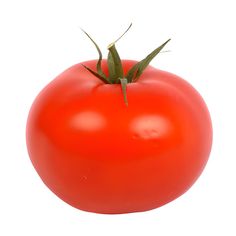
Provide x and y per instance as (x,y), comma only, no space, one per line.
(99,155)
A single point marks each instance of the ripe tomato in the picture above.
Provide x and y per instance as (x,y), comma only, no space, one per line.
(100,155)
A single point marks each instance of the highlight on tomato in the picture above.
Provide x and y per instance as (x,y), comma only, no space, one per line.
(118,136)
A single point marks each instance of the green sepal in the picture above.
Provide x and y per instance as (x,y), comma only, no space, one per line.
(132,72)
(111,68)
(105,80)
(115,63)
(99,62)
(135,72)
(123,82)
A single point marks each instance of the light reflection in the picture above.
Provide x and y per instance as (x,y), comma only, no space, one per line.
(88,121)
(150,127)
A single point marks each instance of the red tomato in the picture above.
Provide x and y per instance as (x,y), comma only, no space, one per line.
(99,155)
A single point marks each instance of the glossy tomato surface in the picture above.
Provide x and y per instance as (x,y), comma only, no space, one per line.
(99,155)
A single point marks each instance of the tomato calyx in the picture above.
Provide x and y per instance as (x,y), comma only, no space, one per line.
(115,68)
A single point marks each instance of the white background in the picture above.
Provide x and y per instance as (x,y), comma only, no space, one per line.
(39,39)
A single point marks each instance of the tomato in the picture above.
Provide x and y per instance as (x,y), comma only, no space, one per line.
(118,136)
(99,154)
